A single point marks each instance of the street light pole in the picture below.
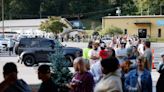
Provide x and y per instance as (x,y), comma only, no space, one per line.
(160,9)
(3,18)
(40,12)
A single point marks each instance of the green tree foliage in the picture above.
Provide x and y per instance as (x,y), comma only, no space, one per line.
(128,7)
(112,31)
(53,25)
(62,74)
(17,9)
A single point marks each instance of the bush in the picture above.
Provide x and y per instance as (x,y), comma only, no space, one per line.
(112,31)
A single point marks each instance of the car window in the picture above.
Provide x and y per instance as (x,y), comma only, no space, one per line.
(25,42)
(34,43)
(47,43)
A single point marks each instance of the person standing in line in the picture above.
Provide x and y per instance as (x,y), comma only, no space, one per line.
(140,47)
(148,55)
(96,67)
(121,53)
(47,85)
(111,80)
(160,82)
(82,80)
(125,68)
(135,52)
(11,46)
(139,79)
(86,50)
(11,83)
(94,53)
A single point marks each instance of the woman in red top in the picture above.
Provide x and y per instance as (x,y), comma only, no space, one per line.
(103,52)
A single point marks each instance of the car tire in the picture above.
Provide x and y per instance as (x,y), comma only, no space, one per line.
(69,58)
(29,60)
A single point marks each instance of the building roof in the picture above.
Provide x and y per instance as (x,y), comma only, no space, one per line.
(121,17)
(22,23)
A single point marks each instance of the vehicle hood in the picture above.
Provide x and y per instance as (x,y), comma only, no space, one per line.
(75,48)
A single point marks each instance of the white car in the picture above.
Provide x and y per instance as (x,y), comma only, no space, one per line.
(2,47)
(107,40)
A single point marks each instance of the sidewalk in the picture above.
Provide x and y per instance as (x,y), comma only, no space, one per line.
(155,76)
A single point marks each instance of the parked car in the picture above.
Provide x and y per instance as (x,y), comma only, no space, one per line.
(4,43)
(106,40)
(2,48)
(35,50)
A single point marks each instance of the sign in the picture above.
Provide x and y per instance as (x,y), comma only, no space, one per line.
(160,22)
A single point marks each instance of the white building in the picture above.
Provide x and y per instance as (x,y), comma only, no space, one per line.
(28,27)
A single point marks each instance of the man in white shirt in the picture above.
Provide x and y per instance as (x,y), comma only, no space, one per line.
(140,47)
(94,53)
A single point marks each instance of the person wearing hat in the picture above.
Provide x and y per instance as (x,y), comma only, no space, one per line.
(160,82)
(11,82)
(44,74)
(139,79)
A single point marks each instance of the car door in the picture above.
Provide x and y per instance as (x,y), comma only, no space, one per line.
(35,48)
(47,48)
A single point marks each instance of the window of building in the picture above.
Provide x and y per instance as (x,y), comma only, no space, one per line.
(159,32)
(142,33)
(125,31)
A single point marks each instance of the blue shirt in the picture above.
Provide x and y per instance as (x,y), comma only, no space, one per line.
(132,80)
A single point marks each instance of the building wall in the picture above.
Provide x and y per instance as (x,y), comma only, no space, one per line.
(132,28)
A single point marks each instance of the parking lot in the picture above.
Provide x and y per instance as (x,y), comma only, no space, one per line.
(29,74)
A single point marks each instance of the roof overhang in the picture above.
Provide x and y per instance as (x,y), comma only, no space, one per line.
(142,22)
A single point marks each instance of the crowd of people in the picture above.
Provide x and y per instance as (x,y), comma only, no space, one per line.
(128,59)
(123,65)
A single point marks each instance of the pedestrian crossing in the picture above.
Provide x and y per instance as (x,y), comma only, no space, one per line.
(6,54)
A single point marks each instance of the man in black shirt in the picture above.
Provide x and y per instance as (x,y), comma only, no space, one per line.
(44,74)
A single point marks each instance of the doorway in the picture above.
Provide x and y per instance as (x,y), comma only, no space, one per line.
(142,33)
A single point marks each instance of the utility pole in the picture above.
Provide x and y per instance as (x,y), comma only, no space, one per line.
(40,12)
(3,18)
(141,11)
(161,9)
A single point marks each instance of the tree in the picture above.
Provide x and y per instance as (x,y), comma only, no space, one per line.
(53,25)
(62,74)
(128,7)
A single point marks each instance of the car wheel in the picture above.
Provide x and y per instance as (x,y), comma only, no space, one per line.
(29,60)
(69,59)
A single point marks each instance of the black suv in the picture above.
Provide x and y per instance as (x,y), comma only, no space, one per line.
(35,50)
